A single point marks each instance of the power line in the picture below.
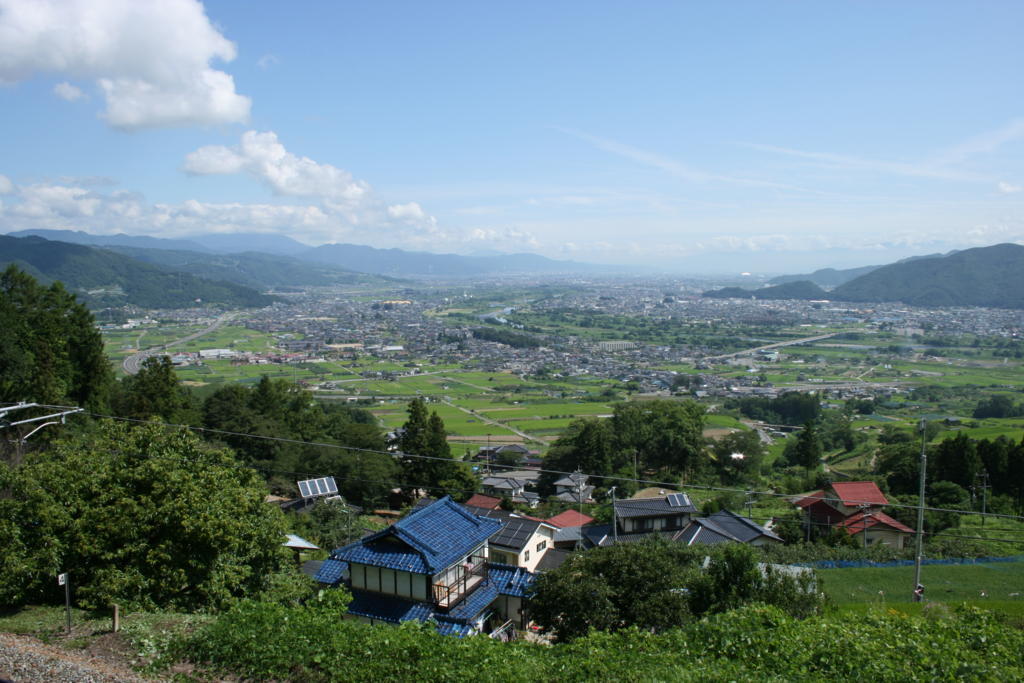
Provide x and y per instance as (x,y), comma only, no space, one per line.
(649,482)
(427,487)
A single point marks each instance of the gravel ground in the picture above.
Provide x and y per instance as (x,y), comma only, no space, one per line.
(24,659)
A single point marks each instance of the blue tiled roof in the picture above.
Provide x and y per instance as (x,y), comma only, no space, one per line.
(388,608)
(429,540)
(472,606)
(453,628)
(511,580)
(331,571)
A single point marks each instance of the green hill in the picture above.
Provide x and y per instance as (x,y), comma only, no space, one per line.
(791,290)
(104,278)
(986,276)
(251,269)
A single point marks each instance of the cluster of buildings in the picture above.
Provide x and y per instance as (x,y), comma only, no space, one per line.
(470,568)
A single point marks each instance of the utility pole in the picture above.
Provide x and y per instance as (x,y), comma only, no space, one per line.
(865,510)
(615,521)
(983,475)
(920,510)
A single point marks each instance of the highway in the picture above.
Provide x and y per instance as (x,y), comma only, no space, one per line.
(132,363)
(776,345)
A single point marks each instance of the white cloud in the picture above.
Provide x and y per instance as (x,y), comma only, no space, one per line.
(6,186)
(151,60)
(412,210)
(1007,188)
(66,91)
(43,201)
(267,61)
(263,157)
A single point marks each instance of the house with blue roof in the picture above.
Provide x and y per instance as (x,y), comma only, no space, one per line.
(430,566)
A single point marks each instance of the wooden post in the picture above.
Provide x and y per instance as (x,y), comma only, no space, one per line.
(117,618)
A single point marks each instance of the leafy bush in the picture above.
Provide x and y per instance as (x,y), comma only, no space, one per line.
(755,642)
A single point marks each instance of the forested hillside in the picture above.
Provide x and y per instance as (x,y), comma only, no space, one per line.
(104,278)
(986,276)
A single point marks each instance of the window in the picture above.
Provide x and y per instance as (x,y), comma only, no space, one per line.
(541,546)
(526,556)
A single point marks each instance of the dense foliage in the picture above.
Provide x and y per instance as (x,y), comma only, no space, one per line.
(50,351)
(756,642)
(656,585)
(516,340)
(791,408)
(662,435)
(279,428)
(143,516)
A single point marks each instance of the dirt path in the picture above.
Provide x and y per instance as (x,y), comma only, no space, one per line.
(24,659)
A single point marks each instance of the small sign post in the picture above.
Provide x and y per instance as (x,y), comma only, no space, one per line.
(62,580)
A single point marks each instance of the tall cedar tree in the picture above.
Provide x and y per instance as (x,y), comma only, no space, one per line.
(425,435)
(50,349)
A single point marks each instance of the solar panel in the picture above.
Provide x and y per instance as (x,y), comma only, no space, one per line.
(323,486)
(678,500)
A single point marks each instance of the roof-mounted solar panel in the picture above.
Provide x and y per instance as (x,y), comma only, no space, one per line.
(324,486)
(678,500)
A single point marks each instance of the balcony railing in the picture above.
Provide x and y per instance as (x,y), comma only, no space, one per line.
(467,577)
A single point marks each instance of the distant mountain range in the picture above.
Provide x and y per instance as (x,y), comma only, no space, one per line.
(104,278)
(348,257)
(251,268)
(402,263)
(985,276)
(826,277)
(803,289)
(212,243)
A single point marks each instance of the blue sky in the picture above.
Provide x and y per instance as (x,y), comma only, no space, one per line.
(726,136)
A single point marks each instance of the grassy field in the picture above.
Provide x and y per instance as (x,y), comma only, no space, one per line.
(996,581)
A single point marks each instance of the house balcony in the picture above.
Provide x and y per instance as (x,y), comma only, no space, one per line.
(467,577)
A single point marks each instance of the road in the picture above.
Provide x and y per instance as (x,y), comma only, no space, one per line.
(771,346)
(491,421)
(132,363)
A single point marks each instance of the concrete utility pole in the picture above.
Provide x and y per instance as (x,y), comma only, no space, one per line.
(920,509)
(615,522)
(983,475)
(865,510)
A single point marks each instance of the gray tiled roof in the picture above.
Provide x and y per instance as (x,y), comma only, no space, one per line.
(653,507)
(742,528)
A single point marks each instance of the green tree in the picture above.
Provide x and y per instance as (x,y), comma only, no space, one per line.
(50,350)
(735,578)
(425,435)
(746,443)
(807,451)
(665,435)
(144,516)
(632,584)
(955,460)
(156,392)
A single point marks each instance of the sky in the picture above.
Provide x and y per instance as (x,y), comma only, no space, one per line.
(691,136)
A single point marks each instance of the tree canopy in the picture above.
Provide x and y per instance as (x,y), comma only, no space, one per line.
(50,350)
(656,585)
(145,516)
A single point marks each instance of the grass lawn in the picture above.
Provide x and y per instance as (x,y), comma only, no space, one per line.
(1000,581)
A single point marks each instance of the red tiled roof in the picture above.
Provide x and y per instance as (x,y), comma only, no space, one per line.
(570,518)
(479,500)
(854,493)
(809,500)
(854,524)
